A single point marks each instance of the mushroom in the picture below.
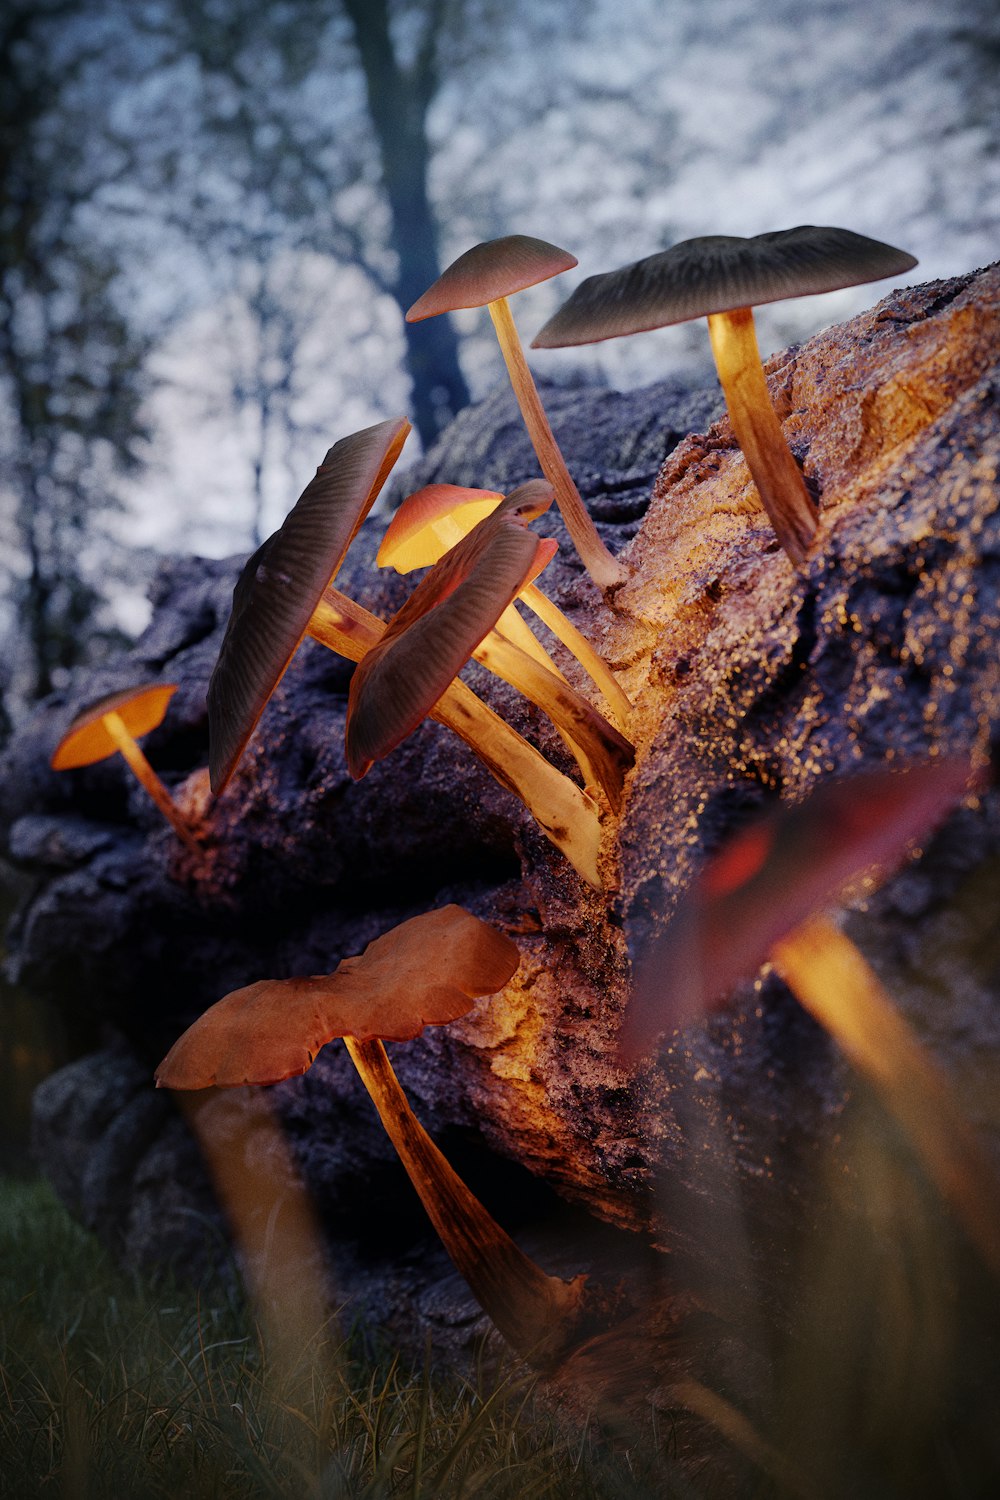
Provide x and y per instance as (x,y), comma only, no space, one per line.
(432,520)
(486,276)
(113,724)
(424,972)
(284,594)
(722,277)
(444,622)
(757,899)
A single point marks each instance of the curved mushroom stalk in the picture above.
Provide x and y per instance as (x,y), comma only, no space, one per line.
(565,814)
(831,980)
(772,466)
(144,773)
(603,567)
(486,276)
(436,518)
(534,1312)
(426,971)
(112,724)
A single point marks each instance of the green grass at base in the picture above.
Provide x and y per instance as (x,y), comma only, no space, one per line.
(112,1388)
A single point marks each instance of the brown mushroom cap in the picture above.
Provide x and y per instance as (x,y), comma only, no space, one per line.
(494,269)
(715,273)
(141,709)
(425,972)
(773,875)
(283,582)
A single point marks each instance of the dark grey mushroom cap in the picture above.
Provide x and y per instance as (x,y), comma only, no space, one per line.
(283,582)
(716,273)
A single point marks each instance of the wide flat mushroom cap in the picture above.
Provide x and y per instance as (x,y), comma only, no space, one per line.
(87,740)
(283,582)
(716,273)
(496,268)
(409,540)
(425,972)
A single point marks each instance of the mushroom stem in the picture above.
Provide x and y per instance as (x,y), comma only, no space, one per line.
(534,1312)
(831,980)
(591,661)
(564,813)
(602,754)
(602,566)
(154,786)
(775,473)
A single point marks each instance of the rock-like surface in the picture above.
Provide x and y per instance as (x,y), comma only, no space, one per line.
(751,681)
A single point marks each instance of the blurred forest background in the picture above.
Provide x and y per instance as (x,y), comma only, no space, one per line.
(214,212)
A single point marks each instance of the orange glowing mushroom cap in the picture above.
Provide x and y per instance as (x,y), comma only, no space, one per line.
(283,582)
(773,875)
(141,709)
(409,541)
(487,272)
(425,972)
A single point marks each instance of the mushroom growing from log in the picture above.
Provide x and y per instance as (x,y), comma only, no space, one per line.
(426,971)
(432,520)
(757,899)
(723,277)
(113,725)
(284,594)
(448,618)
(486,276)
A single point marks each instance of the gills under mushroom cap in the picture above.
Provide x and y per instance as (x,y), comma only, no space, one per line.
(487,272)
(87,740)
(718,273)
(283,582)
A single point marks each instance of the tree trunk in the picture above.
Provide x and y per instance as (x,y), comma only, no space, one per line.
(397,102)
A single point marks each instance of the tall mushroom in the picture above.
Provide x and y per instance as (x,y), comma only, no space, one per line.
(450,617)
(486,276)
(435,518)
(758,899)
(426,971)
(112,725)
(284,594)
(723,277)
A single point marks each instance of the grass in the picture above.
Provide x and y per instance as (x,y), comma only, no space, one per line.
(111,1388)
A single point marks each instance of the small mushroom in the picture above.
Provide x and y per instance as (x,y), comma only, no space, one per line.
(432,520)
(487,275)
(758,898)
(444,622)
(722,277)
(424,972)
(113,724)
(284,593)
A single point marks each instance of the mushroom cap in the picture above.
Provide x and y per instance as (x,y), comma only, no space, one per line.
(496,268)
(452,608)
(409,541)
(86,740)
(425,972)
(283,581)
(774,874)
(715,273)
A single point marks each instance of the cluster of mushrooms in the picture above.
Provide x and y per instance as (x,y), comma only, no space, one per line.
(480,555)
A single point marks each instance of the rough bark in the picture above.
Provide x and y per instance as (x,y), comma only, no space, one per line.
(751,680)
